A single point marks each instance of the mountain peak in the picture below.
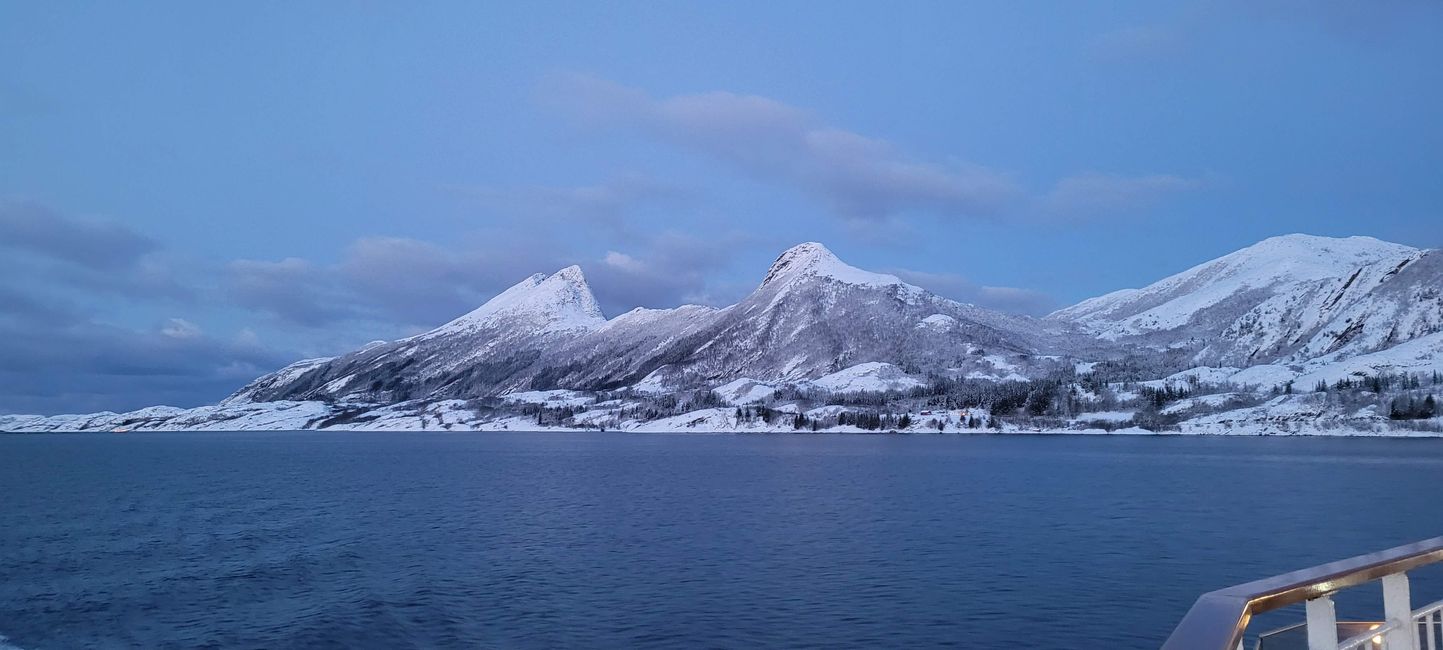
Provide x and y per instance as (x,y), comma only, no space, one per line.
(812,259)
(571,274)
(558,302)
(1299,244)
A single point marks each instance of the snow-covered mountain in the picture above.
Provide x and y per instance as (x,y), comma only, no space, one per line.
(1218,348)
(1285,299)
(473,355)
(812,314)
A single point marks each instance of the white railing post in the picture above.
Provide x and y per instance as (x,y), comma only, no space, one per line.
(1398,609)
(1322,624)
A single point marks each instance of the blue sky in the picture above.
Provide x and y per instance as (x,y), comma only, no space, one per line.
(194,193)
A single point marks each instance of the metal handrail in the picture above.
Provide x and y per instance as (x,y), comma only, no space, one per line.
(1218,618)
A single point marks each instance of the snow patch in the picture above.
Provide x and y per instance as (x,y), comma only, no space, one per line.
(743,391)
(871,377)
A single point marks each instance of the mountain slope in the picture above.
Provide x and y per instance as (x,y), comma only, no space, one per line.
(472,355)
(1266,302)
(814,314)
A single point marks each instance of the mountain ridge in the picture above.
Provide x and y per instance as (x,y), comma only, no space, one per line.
(1288,308)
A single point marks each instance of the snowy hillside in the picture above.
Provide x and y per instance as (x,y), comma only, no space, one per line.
(1286,298)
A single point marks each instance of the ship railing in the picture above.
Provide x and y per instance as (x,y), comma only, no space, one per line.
(1219,619)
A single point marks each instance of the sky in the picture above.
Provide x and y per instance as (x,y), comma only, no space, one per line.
(193,194)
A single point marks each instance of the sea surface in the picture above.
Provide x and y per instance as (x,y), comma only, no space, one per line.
(591,540)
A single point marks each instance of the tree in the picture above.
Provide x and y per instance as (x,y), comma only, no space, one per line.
(1430,407)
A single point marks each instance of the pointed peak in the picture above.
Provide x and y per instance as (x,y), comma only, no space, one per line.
(812,259)
(808,249)
(556,302)
(800,258)
(569,274)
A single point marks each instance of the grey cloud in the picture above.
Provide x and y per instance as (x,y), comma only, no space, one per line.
(421,283)
(54,250)
(25,307)
(102,245)
(666,270)
(1008,299)
(84,366)
(859,177)
(395,280)
(291,289)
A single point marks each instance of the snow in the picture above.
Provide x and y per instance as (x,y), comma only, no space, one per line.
(654,383)
(1214,400)
(1105,416)
(1264,377)
(812,259)
(560,302)
(550,398)
(829,411)
(871,377)
(705,420)
(938,322)
(1204,375)
(1294,308)
(280,377)
(1280,264)
(1421,355)
(739,392)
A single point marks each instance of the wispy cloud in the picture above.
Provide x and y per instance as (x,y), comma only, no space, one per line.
(98,256)
(859,177)
(35,229)
(663,271)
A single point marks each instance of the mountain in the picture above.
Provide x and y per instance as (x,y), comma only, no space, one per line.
(812,314)
(468,356)
(1285,299)
(1295,334)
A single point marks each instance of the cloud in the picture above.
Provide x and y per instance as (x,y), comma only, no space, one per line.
(103,245)
(954,286)
(1099,194)
(859,177)
(393,280)
(57,276)
(672,268)
(84,366)
(291,289)
(53,250)
(180,328)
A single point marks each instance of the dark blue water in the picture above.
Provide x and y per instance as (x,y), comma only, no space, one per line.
(307,540)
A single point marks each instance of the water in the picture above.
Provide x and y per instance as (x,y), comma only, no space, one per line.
(310,540)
